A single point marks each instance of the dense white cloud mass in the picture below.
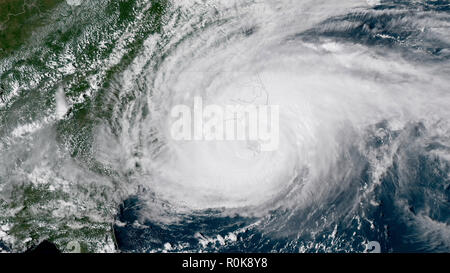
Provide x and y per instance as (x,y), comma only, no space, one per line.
(363,95)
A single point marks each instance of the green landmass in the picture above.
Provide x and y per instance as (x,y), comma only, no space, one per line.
(18,19)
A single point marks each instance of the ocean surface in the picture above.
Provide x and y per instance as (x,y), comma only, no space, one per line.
(87,161)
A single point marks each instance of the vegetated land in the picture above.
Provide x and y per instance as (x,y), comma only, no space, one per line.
(18,18)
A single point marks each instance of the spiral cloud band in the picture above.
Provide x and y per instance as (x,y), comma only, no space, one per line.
(339,125)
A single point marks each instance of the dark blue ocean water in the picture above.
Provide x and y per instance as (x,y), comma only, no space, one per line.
(394,225)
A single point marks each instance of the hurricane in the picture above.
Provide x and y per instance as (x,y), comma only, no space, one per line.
(363,137)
